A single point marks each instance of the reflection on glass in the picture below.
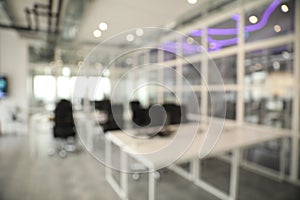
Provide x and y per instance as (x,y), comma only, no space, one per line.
(216,109)
(124,61)
(186,102)
(273,66)
(190,46)
(169,50)
(170,76)
(268,109)
(191,74)
(170,97)
(223,34)
(141,59)
(153,88)
(269,21)
(227,68)
(153,56)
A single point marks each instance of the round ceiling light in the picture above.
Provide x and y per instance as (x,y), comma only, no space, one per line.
(277,28)
(103,26)
(284,8)
(253,19)
(192,1)
(130,37)
(139,32)
(97,33)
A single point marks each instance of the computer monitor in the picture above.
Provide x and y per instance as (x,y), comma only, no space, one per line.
(3,86)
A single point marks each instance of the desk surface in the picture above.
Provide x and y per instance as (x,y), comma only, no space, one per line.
(185,144)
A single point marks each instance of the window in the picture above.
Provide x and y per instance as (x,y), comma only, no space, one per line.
(227,69)
(44,88)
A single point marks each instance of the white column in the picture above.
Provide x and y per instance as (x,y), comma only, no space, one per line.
(295,115)
(240,68)
(204,74)
(160,73)
(178,66)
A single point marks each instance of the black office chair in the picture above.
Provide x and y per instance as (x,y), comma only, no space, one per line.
(114,114)
(140,115)
(64,127)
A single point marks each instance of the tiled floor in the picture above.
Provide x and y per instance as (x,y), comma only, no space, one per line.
(79,176)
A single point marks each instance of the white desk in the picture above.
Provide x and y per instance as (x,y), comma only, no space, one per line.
(233,139)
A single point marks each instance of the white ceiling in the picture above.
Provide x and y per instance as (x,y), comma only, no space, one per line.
(122,15)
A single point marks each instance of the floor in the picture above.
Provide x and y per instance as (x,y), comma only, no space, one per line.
(28,176)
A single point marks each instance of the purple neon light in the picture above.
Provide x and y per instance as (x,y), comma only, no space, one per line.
(249,28)
(191,49)
(235,17)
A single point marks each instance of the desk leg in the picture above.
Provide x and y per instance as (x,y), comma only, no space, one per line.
(151,185)
(124,174)
(108,160)
(234,174)
(195,169)
(283,149)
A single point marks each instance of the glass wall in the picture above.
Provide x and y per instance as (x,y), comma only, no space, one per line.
(253,51)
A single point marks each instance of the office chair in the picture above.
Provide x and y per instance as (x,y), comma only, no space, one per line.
(114,115)
(140,115)
(64,128)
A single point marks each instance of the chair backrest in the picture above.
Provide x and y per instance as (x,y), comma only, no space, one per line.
(176,114)
(103,105)
(64,125)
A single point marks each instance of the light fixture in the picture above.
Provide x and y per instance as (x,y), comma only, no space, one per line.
(130,37)
(97,33)
(277,28)
(212,45)
(139,32)
(192,1)
(103,26)
(276,65)
(189,40)
(253,19)
(286,55)
(284,8)
(66,71)
(106,73)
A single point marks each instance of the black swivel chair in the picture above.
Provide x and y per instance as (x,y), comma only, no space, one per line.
(114,113)
(140,115)
(64,127)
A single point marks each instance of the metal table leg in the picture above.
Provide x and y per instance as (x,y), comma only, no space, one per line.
(151,185)
(234,174)
(124,174)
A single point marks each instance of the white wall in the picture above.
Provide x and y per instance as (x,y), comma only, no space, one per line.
(13,64)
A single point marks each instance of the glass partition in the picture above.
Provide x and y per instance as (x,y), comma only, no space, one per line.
(227,67)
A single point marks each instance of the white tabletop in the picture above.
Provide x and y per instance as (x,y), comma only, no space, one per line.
(186,143)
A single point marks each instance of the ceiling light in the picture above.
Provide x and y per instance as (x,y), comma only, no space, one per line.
(66,71)
(103,26)
(192,1)
(97,33)
(189,40)
(284,8)
(130,37)
(276,65)
(253,19)
(286,55)
(277,28)
(139,32)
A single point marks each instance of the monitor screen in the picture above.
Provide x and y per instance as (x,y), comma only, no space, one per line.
(3,86)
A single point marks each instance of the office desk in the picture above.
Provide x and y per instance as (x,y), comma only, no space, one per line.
(233,139)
